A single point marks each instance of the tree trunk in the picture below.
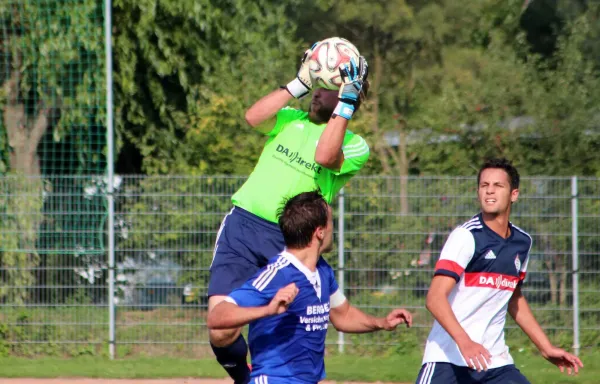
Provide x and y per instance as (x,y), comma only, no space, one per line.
(403,167)
(552,278)
(402,160)
(24,191)
(380,143)
(563,281)
(553,287)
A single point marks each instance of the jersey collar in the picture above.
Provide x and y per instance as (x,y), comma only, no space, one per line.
(493,233)
(312,277)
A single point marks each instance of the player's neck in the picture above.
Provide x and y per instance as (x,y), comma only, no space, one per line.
(307,256)
(316,120)
(497,223)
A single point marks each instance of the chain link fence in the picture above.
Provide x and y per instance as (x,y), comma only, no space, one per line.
(54,277)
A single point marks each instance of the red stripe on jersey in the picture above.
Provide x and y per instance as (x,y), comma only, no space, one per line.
(522,275)
(491,280)
(449,265)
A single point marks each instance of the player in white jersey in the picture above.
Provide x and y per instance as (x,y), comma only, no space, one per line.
(477,281)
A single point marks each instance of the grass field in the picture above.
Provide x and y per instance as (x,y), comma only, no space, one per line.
(343,367)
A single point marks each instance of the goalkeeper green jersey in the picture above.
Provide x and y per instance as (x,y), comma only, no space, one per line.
(287,166)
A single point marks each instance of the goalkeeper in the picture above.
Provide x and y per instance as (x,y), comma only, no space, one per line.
(304,151)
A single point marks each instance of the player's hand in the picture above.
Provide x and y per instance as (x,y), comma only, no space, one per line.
(302,84)
(282,300)
(354,75)
(397,317)
(476,356)
(563,360)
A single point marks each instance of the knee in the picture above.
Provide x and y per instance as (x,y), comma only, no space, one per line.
(223,337)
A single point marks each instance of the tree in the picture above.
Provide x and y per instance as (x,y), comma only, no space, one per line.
(52,77)
(541,112)
(52,86)
(185,72)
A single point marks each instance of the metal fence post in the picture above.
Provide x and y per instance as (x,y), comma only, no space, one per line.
(110,174)
(575,255)
(341,257)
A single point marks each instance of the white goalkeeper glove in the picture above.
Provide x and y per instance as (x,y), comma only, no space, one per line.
(301,85)
(353,78)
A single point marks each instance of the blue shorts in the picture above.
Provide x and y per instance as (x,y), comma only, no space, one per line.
(446,373)
(245,243)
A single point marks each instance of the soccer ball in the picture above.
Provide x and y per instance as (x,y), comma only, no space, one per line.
(325,61)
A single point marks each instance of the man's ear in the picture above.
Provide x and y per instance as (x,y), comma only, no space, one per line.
(320,233)
(514,195)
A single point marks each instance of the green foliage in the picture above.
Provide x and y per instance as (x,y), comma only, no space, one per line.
(53,85)
(457,84)
(52,119)
(18,233)
(186,71)
(195,206)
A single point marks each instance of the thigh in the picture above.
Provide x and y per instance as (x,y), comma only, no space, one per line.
(243,236)
(225,277)
(509,374)
(442,373)
(243,246)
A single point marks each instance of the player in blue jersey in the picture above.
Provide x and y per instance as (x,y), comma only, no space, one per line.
(290,302)
(477,280)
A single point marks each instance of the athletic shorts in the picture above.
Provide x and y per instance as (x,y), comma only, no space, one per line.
(245,243)
(446,373)
(264,379)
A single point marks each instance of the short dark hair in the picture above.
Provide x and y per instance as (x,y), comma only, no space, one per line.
(300,216)
(506,165)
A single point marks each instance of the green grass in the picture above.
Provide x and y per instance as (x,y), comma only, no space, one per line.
(397,368)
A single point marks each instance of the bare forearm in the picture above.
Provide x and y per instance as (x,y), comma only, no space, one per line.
(227,315)
(521,312)
(329,148)
(267,107)
(441,310)
(356,321)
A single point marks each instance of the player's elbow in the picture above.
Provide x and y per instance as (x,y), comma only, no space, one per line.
(252,118)
(326,158)
(337,323)
(432,300)
(213,320)
(428,302)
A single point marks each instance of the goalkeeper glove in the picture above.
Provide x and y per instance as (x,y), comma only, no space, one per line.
(353,78)
(301,85)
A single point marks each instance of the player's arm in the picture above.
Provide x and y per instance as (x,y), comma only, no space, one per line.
(261,115)
(228,314)
(454,258)
(519,310)
(329,152)
(347,318)
(437,303)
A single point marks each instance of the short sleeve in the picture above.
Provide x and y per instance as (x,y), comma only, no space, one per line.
(456,254)
(356,153)
(333,284)
(260,289)
(284,116)
(523,271)
(336,296)
(248,296)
